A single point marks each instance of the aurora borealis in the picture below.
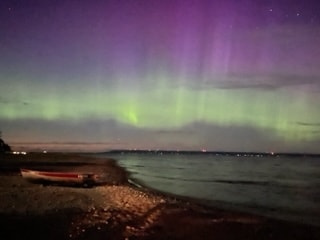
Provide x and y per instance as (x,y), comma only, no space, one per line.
(215,75)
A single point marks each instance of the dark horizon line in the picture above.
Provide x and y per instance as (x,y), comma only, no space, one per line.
(118,150)
(231,153)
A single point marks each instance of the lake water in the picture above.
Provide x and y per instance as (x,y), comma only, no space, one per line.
(282,187)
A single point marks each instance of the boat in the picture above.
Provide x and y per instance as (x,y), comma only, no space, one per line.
(85,179)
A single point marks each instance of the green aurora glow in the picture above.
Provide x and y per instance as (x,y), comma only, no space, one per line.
(167,107)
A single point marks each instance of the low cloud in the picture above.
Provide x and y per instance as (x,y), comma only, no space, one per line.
(173,131)
(13,101)
(263,82)
(307,124)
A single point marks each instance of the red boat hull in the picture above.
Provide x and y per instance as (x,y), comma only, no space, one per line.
(59,177)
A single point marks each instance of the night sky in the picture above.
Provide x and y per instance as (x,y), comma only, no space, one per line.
(219,75)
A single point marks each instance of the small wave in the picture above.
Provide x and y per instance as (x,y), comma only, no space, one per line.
(152,168)
(244,182)
(282,184)
(135,183)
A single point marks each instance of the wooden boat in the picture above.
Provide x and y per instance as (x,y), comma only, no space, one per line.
(85,179)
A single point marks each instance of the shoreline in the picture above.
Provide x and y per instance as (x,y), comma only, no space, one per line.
(229,207)
(118,209)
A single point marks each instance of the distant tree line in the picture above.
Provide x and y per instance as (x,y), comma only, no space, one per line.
(4,147)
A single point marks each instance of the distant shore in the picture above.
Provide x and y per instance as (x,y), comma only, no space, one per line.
(116,209)
(222,153)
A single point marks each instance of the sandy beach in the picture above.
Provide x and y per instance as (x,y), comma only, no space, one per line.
(116,209)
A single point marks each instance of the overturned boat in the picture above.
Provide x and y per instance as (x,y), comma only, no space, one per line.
(74,178)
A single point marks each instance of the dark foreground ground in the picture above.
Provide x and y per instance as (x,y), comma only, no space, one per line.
(114,209)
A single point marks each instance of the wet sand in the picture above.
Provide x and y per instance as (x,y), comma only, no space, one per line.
(115,209)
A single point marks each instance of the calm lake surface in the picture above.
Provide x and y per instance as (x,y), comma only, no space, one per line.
(282,187)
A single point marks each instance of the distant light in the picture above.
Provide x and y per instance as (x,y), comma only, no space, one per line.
(44,151)
(17,153)
(204,150)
